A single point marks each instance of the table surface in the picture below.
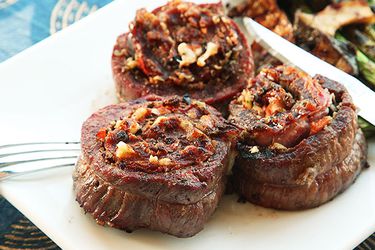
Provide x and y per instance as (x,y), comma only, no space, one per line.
(23,23)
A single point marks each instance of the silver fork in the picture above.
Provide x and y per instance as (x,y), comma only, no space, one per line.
(23,158)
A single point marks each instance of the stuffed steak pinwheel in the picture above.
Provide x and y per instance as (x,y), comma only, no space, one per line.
(157,162)
(181,48)
(301,144)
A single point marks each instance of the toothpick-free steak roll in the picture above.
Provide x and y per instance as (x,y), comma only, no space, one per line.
(301,145)
(157,162)
(182,48)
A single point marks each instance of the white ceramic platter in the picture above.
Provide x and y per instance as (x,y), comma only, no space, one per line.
(47,92)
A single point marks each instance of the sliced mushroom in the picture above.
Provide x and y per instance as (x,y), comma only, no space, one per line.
(337,15)
(312,39)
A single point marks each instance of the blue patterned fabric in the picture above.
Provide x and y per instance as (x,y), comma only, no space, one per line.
(24,22)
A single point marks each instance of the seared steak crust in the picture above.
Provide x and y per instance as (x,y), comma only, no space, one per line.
(182,48)
(312,170)
(311,189)
(127,210)
(156,163)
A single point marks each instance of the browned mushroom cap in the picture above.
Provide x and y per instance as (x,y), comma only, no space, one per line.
(337,15)
(337,53)
(314,32)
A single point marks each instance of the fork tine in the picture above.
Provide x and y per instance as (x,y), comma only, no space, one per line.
(22,158)
(7,164)
(37,143)
(40,151)
(12,173)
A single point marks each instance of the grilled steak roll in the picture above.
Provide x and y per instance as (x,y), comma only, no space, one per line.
(301,145)
(182,48)
(158,163)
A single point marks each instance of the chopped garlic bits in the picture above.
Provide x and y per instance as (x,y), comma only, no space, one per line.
(246,98)
(130,63)
(153,159)
(140,113)
(165,161)
(186,125)
(212,49)
(118,123)
(278,146)
(134,127)
(200,104)
(124,150)
(254,150)
(188,53)
(159,120)
(207,121)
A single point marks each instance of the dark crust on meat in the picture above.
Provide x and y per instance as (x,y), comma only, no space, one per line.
(176,201)
(319,190)
(119,208)
(130,85)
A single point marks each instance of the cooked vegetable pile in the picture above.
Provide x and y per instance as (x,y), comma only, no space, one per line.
(339,32)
